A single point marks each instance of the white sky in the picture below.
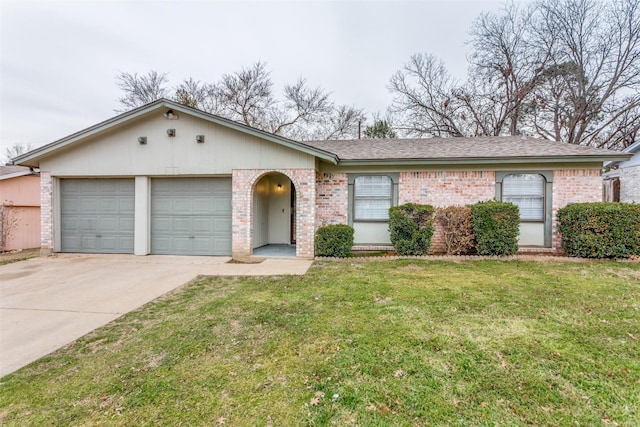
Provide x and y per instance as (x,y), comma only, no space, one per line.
(59,59)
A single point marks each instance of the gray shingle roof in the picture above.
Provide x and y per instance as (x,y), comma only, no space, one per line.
(478,148)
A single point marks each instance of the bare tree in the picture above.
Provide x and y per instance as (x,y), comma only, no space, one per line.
(341,123)
(567,70)
(192,93)
(16,150)
(424,102)
(506,65)
(8,224)
(141,89)
(595,52)
(247,96)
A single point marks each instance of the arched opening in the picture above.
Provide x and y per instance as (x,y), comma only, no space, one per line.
(274,216)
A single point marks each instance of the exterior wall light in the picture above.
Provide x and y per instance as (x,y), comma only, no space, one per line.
(200,139)
(142,140)
(171,115)
(171,132)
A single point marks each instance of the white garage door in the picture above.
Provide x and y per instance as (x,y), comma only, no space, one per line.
(97,215)
(191,216)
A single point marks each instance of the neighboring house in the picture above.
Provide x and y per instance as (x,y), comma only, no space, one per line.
(169,179)
(19,208)
(622,181)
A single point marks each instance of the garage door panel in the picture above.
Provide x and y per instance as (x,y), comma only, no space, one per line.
(126,224)
(161,204)
(222,224)
(193,214)
(89,242)
(88,205)
(222,245)
(97,215)
(161,225)
(181,205)
(203,225)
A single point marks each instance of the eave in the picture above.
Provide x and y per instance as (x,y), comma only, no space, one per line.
(483,160)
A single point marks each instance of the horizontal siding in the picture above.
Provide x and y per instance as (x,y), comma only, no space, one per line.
(118,153)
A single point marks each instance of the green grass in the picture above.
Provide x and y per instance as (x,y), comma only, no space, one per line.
(383,343)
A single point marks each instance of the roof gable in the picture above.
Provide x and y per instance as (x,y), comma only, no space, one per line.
(33,157)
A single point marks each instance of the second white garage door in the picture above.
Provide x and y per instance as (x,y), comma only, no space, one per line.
(191,216)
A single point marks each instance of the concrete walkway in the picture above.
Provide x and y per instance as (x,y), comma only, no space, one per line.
(46,303)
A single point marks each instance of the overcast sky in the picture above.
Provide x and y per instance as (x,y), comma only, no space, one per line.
(59,59)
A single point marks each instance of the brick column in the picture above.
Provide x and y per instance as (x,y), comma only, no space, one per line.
(46,213)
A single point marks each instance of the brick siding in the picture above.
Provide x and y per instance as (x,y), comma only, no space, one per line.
(630,184)
(243,185)
(332,199)
(573,186)
(445,188)
(46,213)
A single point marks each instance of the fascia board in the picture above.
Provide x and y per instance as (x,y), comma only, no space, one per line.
(483,161)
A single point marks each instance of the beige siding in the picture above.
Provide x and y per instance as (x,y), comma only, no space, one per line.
(20,191)
(20,200)
(118,153)
(24,232)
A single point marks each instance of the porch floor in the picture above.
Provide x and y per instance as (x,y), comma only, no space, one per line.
(275,250)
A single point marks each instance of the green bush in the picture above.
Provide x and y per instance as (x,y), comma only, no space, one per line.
(411,227)
(496,226)
(457,230)
(600,230)
(334,240)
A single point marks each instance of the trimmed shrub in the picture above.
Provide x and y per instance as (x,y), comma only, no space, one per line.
(458,231)
(600,230)
(334,240)
(496,226)
(411,227)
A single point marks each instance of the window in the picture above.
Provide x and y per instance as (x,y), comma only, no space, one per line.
(527,192)
(372,198)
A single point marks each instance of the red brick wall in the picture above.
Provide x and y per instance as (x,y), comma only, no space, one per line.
(573,186)
(332,198)
(441,189)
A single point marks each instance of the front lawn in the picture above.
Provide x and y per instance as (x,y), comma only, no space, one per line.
(405,342)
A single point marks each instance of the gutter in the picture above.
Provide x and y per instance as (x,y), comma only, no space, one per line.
(483,160)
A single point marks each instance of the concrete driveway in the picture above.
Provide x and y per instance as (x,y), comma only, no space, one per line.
(46,303)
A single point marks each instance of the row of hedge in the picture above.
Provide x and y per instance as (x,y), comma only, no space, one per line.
(588,230)
(600,230)
(488,228)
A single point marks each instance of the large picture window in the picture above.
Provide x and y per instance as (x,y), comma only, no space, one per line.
(372,198)
(527,192)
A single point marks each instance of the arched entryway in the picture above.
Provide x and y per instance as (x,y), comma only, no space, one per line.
(274,216)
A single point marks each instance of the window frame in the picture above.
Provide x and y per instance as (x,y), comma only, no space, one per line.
(547,201)
(393,177)
(541,196)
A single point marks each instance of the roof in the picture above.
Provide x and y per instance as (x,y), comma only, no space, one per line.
(474,150)
(32,158)
(10,171)
(425,151)
(633,149)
